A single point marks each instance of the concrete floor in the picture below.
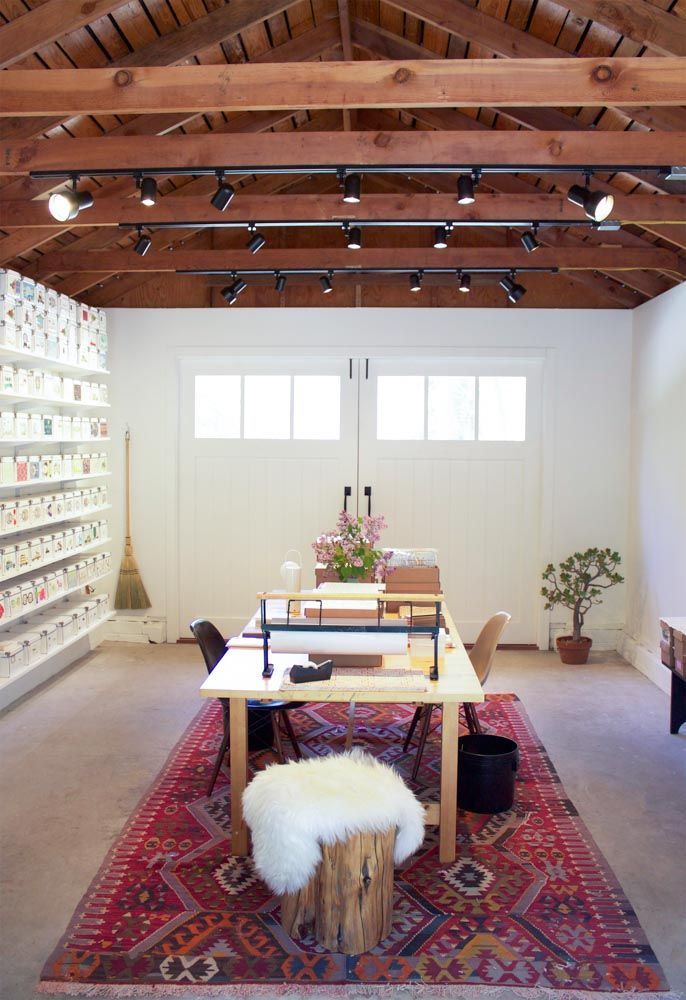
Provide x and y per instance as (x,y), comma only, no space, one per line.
(78,754)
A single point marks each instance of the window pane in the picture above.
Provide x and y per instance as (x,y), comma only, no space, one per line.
(502,408)
(400,408)
(267,410)
(317,407)
(451,407)
(217,406)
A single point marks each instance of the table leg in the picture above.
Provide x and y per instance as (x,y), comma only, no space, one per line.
(448,827)
(238,720)
(677,712)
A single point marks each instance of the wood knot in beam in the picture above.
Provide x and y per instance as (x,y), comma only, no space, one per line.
(123,78)
(88,7)
(382,139)
(602,73)
(402,75)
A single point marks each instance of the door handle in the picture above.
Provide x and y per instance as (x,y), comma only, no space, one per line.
(368,494)
(347,492)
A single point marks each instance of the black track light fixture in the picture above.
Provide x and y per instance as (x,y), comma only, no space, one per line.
(232,291)
(464,281)
(280,282)
(597,205)
(441,234)
(416,281)
(143,243)
(513,290)
(352,189)
(465,187)
(354,236)
(148,189)
(66,205)
(256,241)
(224,193)
(325,282)
(529,241)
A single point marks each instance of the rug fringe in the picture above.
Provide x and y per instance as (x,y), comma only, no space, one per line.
(384,991)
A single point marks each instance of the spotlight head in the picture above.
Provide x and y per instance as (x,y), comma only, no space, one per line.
(529,241)
(351,189)
(325,282)
(66,205)
(354,238)
(464,282)
(465,190)
(440,237)
(513,290)
(231,292)
(256,242)
(223,195)
(596,204)
(415,282)
(143,243)
(148,191)
(280,283)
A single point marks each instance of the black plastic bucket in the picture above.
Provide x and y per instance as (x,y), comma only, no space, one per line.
(487,773)
(260,731)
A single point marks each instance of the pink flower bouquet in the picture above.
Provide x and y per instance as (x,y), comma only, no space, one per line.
(349,549)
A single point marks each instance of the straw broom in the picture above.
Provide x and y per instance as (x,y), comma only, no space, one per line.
(131,592)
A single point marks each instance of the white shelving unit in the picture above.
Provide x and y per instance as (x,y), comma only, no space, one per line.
(22,678)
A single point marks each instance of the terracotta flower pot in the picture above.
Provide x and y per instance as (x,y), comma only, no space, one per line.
(573,651)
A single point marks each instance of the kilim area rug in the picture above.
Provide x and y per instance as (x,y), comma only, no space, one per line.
(529,903)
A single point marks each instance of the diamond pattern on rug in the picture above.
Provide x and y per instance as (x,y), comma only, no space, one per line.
(529,902)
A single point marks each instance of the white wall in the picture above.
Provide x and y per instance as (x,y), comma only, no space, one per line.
(657,479)
(587,377)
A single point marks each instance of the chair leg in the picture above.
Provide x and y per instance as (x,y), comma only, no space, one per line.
(220,757)
(472,718)
(350,730)
(291,735)
(413,725)
(277,738)
(426,722)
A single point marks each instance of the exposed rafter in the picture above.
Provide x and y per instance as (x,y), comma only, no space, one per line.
(400,209)
(448,83)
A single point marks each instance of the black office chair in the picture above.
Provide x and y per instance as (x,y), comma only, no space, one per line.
(213,646)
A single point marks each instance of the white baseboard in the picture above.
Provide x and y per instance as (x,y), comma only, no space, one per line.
(128,628)
(604,636)
(645,660)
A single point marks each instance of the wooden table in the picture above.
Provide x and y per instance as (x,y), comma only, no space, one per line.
(238,677)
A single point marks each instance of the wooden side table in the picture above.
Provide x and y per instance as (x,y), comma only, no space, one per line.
(673,653)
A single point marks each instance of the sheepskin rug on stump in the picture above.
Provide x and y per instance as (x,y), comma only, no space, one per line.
(293,808)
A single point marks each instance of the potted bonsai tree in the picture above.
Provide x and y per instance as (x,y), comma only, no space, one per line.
(577,584)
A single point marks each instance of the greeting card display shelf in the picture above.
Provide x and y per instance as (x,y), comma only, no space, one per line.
(10,397)
(58,597)
(40,361)
(57,520)
(53,482)
(21,442)
(18,578)
(5,682)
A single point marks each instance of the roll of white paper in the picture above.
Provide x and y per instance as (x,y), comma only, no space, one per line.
(353,643)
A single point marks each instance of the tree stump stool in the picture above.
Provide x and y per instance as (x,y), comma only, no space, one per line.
(348,903)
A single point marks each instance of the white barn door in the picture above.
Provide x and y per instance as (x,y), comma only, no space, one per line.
(451,452)
(266,447)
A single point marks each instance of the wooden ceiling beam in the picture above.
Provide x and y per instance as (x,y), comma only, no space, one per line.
(637,209)
(328,150)
(174,47)
(556,82)
(502,38)
(640,21)
(44,24)
(321,258)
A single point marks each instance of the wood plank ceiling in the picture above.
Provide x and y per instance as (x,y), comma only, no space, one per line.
(92,258)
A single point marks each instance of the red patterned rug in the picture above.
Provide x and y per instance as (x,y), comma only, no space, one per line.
(530,902)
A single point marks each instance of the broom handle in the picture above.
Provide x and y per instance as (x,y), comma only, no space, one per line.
(127,439)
